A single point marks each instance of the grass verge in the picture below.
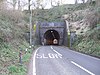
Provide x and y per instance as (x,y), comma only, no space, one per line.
(9,58)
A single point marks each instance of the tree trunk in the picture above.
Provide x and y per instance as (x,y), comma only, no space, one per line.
(83,1)
(76,1)
(51,3)
(29,6)
(19,6)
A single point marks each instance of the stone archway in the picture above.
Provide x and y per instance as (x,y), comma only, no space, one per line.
(51,37)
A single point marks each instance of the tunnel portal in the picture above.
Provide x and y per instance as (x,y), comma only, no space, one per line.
(51,33)
(51,37)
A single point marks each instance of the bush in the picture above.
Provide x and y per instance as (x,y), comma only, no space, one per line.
(89,43)
(17,69)
(13,68)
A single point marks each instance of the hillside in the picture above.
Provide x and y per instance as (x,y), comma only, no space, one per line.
(56,13)
(83,19)
(12,40)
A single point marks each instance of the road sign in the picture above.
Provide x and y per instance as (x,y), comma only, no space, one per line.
(55,41)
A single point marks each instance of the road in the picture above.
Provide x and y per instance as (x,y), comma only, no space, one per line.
(59,60)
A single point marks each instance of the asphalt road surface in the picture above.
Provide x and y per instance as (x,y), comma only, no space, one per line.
(57,60)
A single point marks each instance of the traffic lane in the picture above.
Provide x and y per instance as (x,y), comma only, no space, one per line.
(55,66)
(43,62)
(90,63)
(47,52)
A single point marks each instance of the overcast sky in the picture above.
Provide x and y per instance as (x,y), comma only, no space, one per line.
(63,1)
(48,5)
(47,2)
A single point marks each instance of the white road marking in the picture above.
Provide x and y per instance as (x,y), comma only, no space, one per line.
(38,56)
(82,68)
(56,51)
(49,55)
(43,55)
(52,55)
(34,61)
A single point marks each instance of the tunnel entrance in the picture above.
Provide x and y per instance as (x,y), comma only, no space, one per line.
(51,37)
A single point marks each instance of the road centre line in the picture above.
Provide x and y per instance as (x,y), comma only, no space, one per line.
(55,51)
(82,68)
(34,61)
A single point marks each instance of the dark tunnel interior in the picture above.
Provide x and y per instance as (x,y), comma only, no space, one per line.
(51,37)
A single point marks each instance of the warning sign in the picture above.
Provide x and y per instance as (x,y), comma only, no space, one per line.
(55,41)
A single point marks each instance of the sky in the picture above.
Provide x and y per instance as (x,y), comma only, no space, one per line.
(63,1)
(48,5)
(47,2)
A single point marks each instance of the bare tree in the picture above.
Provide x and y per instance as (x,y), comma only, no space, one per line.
(3,4)
(43,6)
(51,3)
(13,3)
(76,2)
(92,2)
(61,2)
(54,3)
(58,3)
(38,3)
(19,5)
(83,1)
(29,5)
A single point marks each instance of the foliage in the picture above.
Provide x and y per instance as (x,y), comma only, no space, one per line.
(98,25)
(9,27)
(9,58)
(12,29)
(55,13)
(12,39)
(17,70)
(89,43)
